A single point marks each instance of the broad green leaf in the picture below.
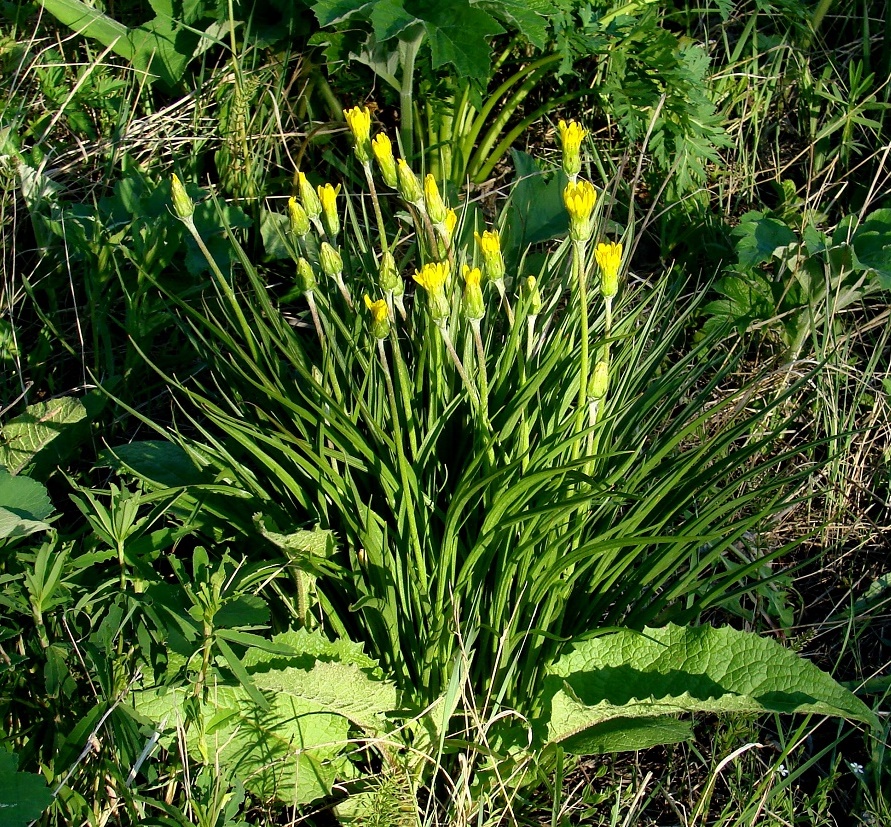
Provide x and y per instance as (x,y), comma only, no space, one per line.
(23,796)
(298,747)
(389,18)
(536,211)
(872,245)
(85,20)
(299,544)
(33,432)
(293,752)
(529,17)
(162,463)
(328,12)
(312,646)
(625,734)
(24,506)
(243,610)
(273,231)
(758,237)
(676,669)
(458,35)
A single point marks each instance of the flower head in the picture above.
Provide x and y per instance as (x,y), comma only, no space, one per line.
(579,198)
(609,260)
(383,154)
(306,278)
(359,121)
(571,137)
(388,275)
(182,204)
(330,260)
(380,317)
(409,186)
(433,277)
(436,209)
(308,197)
(472,300)
(328,200)
(490,246)
(297,218)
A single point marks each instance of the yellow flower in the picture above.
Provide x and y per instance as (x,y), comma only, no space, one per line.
(472,302)
(436,209)
(328,200)
(490,246)
(359,122)
(609,259)
(571,137)
(308,197)
(409,186)
(433,277)
(380,317)
(383,154)
(181,201)
(579,198)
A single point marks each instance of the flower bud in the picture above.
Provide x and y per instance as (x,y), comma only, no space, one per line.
(529,288)
(433,277)
(451,221)
(409,186)
(579,199)
(383,154)
(297,218)
(306,278)
(380,317)
(329,258)
(182,204)
(387,274)
(359,121)
(308,197)
(436,209)
(609,259)
(328,199)
(472,301)
(599,382)
(490,246)
(571,137)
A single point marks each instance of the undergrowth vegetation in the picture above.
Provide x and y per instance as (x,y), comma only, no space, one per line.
(444,413)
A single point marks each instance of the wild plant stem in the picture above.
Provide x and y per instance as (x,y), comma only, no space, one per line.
(484,387)
(578,268)
(471,389)
(314,312)
(375,201)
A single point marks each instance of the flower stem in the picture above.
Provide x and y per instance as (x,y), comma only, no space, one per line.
(471,389)
(578,266)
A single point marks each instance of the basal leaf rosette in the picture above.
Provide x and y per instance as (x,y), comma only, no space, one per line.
(616,691)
